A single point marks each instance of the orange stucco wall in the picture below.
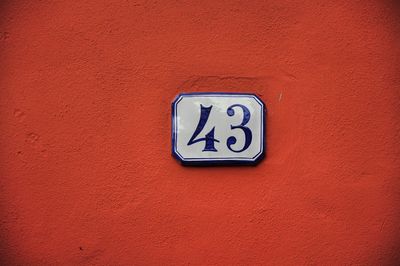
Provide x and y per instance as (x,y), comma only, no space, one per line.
(86,172)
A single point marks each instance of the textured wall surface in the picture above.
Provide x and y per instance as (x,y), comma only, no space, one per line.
(86,172)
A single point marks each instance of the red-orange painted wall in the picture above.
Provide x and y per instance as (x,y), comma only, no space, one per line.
(86,171)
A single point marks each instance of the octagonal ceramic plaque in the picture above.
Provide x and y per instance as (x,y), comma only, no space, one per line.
(218,128)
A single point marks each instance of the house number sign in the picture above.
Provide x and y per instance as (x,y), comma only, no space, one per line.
(218,128)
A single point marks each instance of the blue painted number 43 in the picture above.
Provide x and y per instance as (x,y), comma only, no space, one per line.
(218,128)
